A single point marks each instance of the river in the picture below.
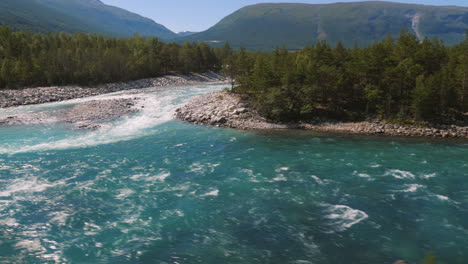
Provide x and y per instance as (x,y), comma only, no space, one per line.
(150,189)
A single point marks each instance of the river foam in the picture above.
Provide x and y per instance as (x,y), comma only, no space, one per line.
(343,217)
(157,107)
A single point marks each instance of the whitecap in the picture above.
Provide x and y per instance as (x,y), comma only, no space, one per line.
(179,213)
(137,177)
(11,222)
(413,187)
(251,175)
(428,176)
(282,169)
(28,186)
(212,193)
(31,245)
(162,177)
(124,193)
(317,179)
(147,177)
(361,175)
(279,178)
(400,174)
(196,167)
(344,217)
(59,218)
(203,168)
(91,229)
(442,197)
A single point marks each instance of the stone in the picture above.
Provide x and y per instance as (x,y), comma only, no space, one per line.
(221,120)
(240,111)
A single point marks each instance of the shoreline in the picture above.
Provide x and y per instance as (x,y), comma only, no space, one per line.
(94,114)
(41,95)
(90,115)
(228,110)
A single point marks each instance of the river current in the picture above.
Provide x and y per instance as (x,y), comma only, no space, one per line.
(150,189)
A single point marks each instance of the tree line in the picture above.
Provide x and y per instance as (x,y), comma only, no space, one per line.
(401,79)
(30,60)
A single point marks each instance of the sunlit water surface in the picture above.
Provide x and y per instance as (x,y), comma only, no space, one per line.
(149,189)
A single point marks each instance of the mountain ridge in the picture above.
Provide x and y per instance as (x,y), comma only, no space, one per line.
(71,16)
(265,26)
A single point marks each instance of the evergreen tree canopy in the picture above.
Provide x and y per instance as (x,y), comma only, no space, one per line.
(28,59)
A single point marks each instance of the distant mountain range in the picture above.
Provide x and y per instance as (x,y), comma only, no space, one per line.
(91,16)
(257,27)
(266,26)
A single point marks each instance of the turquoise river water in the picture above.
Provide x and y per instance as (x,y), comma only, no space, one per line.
(150,189)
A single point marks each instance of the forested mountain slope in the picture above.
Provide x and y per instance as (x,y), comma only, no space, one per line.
(266,26)
(90,16)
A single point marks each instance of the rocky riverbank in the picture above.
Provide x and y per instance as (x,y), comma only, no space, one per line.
(40,95)
(88,115)
(225,109)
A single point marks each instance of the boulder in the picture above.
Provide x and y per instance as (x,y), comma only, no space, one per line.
(239,111)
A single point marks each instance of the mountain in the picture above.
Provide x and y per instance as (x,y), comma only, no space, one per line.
(266,26)
(90,16)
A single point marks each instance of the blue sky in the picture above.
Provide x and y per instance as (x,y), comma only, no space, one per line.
(199,15)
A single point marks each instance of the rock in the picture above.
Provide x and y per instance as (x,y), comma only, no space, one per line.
(99,110)
(89,126)
(221,120)
(239,111)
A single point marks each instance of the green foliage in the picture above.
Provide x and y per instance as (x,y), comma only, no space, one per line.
(28,59)
(90,16)
(267,26)
(426,97)
(401,79)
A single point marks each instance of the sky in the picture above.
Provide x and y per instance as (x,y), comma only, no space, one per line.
(199,15)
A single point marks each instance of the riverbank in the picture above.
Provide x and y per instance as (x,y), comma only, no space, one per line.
(91,114)
(88,115)
(40,95)
(225,109)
